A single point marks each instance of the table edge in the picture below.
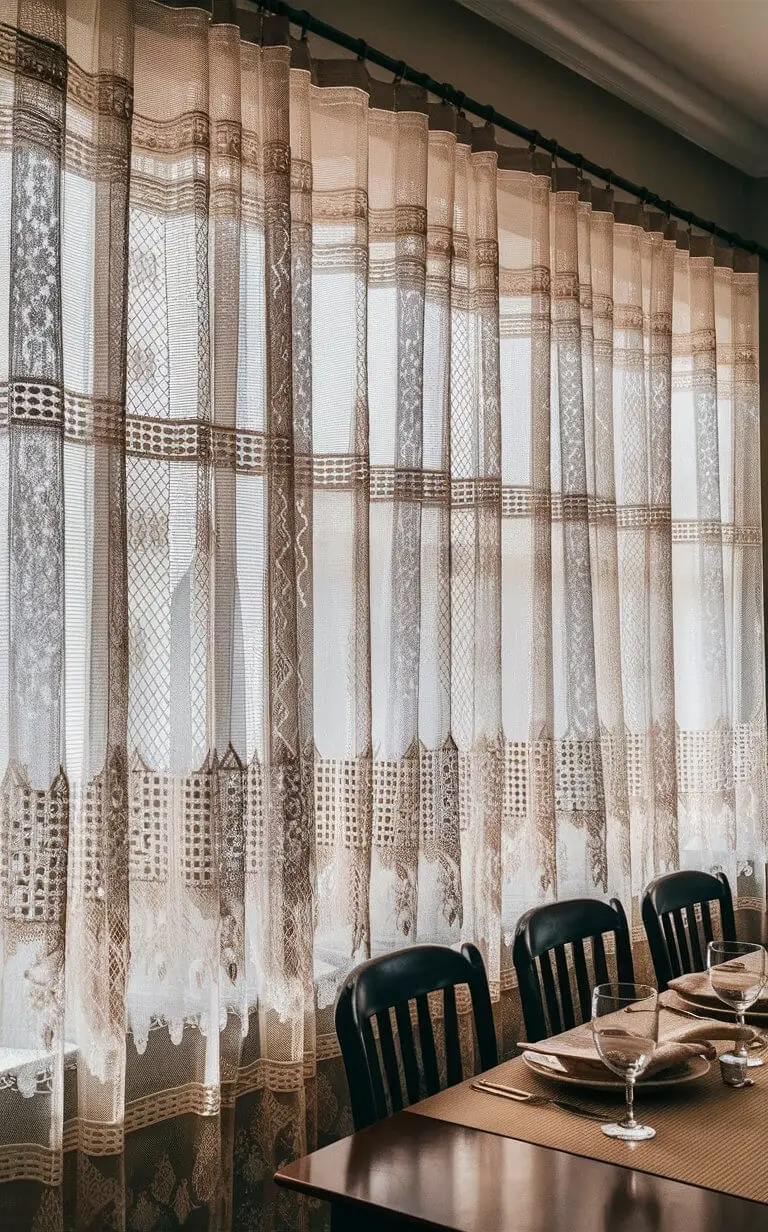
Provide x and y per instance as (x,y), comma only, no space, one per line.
(283,1178)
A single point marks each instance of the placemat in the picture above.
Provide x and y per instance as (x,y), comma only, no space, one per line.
(707,1134)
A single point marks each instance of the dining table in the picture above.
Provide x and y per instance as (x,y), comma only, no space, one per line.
(467,1161)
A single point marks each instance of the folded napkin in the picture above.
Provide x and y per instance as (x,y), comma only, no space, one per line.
(698,988)
(575,1054)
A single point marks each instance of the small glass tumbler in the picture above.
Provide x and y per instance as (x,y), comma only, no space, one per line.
(733,1070)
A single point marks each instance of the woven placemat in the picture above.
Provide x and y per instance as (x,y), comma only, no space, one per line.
(707,1134)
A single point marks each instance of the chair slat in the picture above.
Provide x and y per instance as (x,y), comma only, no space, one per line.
(669,936)
(453,1071)
(727,920)
(553,1009)
(408,1051)
(582,980)
(387,1043)
(693,938)
(706,919)
(682,944)
(536,1027)
(427,1041)
(374,1067)
(625,967)
(481,1007)
(564,985)
(598,957)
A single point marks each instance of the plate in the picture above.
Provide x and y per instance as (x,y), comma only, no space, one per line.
(707,1010)
(689,1071)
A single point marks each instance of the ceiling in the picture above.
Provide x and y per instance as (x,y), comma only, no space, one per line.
(699,66)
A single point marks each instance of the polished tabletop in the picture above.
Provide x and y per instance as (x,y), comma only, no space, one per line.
(418,1171)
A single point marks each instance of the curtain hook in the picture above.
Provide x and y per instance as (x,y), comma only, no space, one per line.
(535,141)
(555,151)
(362,50)
(459,100)
(579,160)
(305,20)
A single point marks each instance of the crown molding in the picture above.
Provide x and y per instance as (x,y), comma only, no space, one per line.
(579,39)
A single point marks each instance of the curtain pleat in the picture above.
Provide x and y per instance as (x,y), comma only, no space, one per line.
(380,556)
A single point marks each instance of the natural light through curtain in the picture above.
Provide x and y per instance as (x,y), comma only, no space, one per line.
(380,555)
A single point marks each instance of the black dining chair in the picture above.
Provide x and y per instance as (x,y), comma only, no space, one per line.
(391,983)
(671,925)
(549,929)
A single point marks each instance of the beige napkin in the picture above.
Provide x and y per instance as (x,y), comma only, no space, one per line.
(697,986)
(574,1053)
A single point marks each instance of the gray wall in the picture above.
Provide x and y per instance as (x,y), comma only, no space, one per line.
(452,44)
(757,228)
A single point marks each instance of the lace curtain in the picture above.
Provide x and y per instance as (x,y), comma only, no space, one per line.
(380,555)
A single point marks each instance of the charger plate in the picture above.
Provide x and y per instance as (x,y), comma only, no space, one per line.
(545,1066)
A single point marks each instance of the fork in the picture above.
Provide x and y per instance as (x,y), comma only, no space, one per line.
(536,1101)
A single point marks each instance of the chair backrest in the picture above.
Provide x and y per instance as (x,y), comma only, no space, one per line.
(671,924)
(551,928)
(392,982)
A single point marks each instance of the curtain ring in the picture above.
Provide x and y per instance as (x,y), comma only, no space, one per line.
(535,141)
(579,161)
(362,50)
(305,20)
(555,149)
(459,99)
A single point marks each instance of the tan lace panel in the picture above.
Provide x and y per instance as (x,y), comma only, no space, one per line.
(380,555)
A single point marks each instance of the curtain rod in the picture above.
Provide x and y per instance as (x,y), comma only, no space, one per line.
(403,72)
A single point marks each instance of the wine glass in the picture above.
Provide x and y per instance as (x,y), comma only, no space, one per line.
(737,974)
(627,1052)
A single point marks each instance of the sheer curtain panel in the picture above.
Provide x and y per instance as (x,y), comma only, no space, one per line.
(380,555)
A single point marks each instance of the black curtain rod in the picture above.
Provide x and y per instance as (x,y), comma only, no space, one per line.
(403,72)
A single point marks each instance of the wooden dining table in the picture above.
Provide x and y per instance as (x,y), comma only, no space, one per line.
(414,1171)
(454,1161)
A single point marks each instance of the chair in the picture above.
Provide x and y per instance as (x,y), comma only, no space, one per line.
(392,982)
(675,948)
(553,927)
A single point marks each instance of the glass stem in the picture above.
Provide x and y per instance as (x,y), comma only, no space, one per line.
(741,1050)
(629,1119)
